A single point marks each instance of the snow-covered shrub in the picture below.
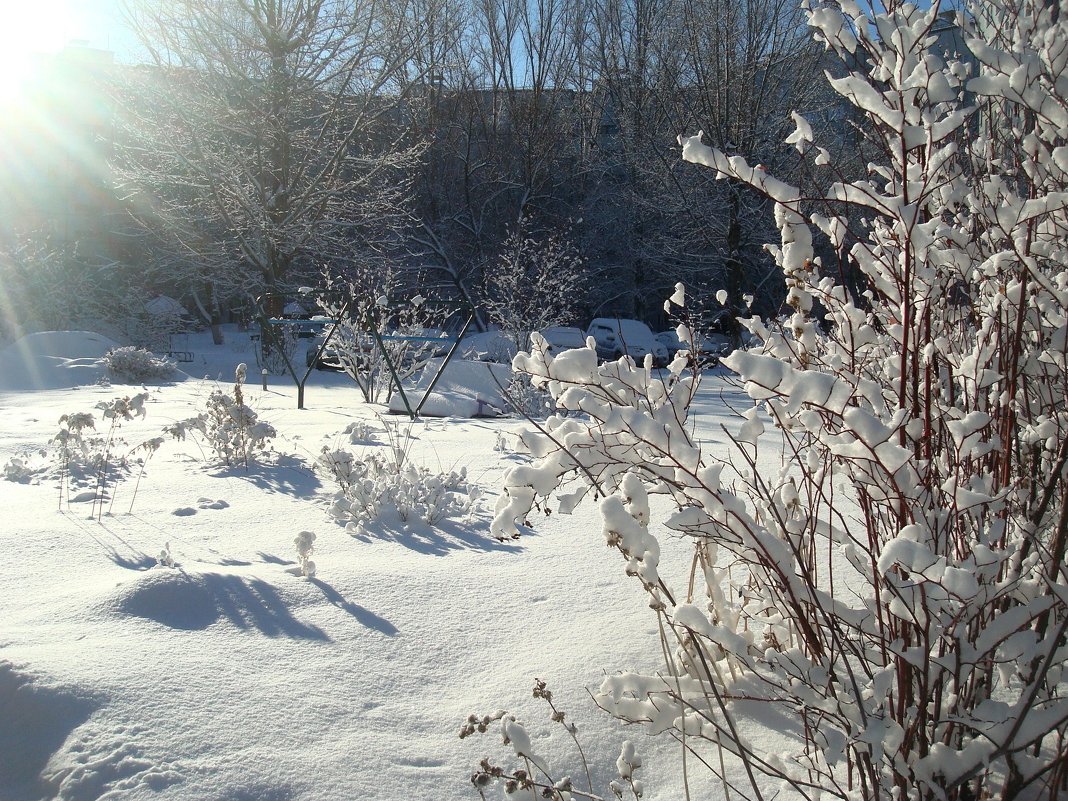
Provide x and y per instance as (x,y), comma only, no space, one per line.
(535,776)
(890,573)
(165,557)
(136,365)
(19,470)
(387,484)
(360,432)
(375,486)
(83,457)
(228,426)
(305,543)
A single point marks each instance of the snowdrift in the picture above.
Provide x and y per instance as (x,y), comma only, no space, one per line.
(54,360)
(466,389)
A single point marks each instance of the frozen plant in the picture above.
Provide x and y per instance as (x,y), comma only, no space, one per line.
(83,456)
(305,542)
(229,427)
(896,583)
(149,448)
(76,449)
(72,442)
(136,365)
(535,776)
(166,558)
(118,411)
(360,432)
(385,483)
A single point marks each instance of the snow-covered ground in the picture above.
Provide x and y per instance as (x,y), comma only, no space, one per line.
(231,676)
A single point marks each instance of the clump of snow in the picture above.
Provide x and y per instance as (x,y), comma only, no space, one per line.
(305,544)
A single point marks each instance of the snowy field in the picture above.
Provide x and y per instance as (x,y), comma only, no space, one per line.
(230,675)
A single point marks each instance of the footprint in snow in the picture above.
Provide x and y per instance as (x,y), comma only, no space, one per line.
(184,511)
(208,503)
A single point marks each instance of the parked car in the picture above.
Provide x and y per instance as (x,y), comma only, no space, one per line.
(710,347)
(561,337)
(405,346)
(616,338)
(488,346)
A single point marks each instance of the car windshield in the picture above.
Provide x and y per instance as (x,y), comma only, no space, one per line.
(635,333)
(563,337)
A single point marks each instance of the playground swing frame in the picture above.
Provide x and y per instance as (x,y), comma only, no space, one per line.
(270,336)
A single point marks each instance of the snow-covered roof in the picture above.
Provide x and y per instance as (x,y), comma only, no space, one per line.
(163,306)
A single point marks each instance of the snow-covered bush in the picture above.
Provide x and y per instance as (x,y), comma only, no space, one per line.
(165,557)
(384,485)
(136,365)
(887,566)
(535,776)
(360,432)
(228,426)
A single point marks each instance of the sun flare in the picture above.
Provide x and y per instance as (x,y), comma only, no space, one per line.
(28,29)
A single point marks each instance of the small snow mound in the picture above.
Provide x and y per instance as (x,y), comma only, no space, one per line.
(191,601)
(173,598)
(465,389)
(54,360)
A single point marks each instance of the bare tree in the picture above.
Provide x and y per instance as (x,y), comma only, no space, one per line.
(667,65)
(267,137)
(503,134)
(534,282)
